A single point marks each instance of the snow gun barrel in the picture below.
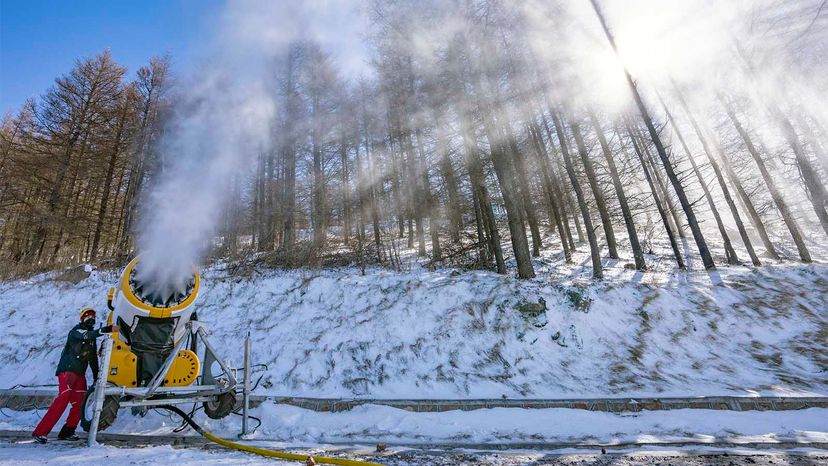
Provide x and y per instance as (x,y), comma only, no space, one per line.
(137,300)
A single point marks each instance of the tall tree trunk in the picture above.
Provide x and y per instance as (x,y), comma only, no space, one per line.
(134,186)
(319,210)
(813,185)
(525,195)
(546,183)
(268,204)
(730,253)
(819,197)
(556,217)
(596,190)
(597,269)
(704,251)
(39,237)
(360,185)
(722,183)
(418,194)
(110,173)
(411,202)
(665,219)
(670,206)
(396,187)
(787,217)
(455,212)
(478,180)
(753,215)
(289,234)
(74,191)
(256,233)
(566,204)
(112,248)
(629,222)
(482,240)
(429,200)
(289,155)
(406,184)
(372,195)
(813,141)
(504,170)
(346,189)
(257,228)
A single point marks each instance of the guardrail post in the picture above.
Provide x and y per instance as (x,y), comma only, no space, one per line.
(246,391)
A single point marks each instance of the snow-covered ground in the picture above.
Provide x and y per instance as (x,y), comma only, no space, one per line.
(476,334)
(308,431)
(452,334)
(372,423)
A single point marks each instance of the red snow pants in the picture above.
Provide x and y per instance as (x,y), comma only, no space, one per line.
(71,389)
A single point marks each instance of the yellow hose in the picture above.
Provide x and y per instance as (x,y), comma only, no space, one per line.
(263,451)
(283,455)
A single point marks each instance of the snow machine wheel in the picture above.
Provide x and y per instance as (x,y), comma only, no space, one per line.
(220,406)
(109,411)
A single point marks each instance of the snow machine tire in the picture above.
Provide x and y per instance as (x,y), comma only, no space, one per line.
(109,411)
(221,407)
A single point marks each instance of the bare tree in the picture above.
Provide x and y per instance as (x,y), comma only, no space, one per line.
(704,251)
(597,269)
(787,216)
(635,245)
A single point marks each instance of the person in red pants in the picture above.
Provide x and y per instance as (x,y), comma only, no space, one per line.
(78,353)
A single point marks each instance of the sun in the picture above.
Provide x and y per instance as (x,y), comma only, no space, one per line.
(656,42)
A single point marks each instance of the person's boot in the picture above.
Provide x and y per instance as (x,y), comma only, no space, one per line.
(67,433)
(39,439)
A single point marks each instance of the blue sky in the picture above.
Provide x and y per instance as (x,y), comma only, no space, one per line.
(41,39)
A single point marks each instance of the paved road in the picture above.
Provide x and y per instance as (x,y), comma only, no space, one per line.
(645,459)
(16,445)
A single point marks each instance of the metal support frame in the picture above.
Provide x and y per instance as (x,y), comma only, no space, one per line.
(188,394)
(164,401)
(194,390)
(103,373)
(208,350)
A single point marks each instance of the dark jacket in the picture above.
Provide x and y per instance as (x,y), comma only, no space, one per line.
(80,350)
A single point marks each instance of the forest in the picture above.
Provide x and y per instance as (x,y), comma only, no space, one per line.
(481,132)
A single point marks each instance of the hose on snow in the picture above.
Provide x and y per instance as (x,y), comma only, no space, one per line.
(262,451)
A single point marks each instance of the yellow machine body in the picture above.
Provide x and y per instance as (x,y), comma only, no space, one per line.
(123,367)
(126,305)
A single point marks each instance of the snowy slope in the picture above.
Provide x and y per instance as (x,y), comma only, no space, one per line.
(446,334)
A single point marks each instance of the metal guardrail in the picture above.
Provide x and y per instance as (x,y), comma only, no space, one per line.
(27,399)
(613,405)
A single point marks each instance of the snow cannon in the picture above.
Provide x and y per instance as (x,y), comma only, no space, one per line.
(151,323)
(161,355)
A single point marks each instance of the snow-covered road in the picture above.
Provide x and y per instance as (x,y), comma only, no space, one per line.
(371,423)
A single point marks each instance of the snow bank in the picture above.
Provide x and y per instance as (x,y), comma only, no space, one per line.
(445,334)
(372,423)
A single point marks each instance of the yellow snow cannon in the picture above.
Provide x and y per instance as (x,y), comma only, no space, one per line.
(154,359)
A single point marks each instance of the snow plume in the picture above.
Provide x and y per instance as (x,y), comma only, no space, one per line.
(225,118)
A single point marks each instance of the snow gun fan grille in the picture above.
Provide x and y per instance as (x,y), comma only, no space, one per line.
(160,296)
